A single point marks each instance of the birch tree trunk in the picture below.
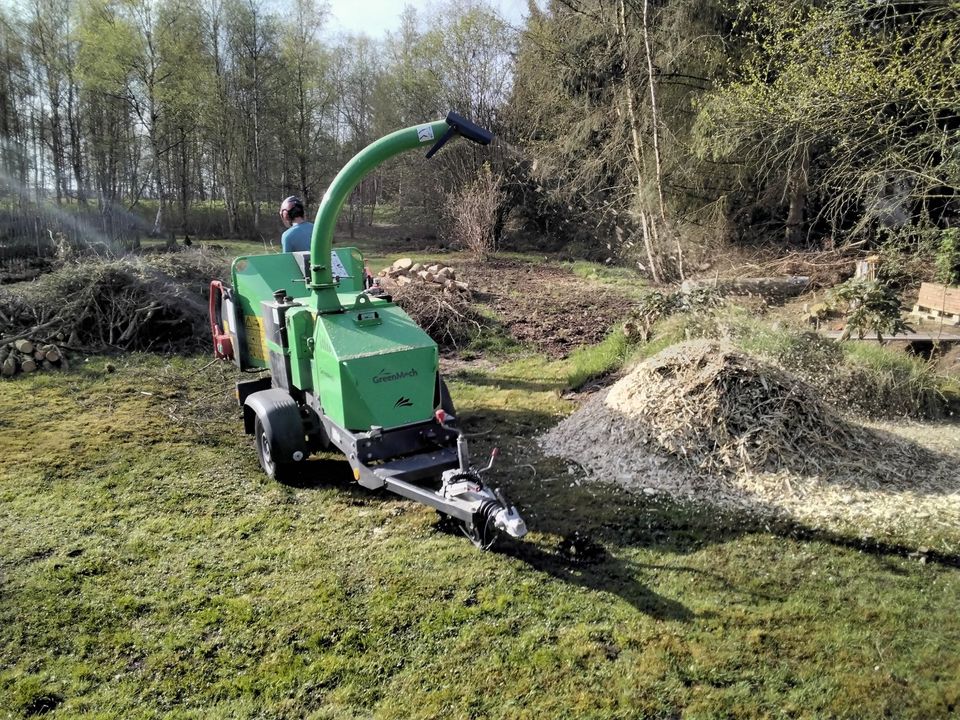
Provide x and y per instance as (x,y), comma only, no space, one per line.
(636,149)
(654,117)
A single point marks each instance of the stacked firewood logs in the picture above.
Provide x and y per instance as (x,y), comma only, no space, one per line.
(27,356)
(405,272)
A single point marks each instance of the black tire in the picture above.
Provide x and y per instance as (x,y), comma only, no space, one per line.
(281,472)
(483,534)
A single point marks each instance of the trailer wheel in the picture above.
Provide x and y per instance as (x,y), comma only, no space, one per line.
(483,534)
(281,472)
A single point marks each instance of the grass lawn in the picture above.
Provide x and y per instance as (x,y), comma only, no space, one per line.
(149,569)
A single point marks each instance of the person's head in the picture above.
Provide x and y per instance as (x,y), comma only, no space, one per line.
(291,210)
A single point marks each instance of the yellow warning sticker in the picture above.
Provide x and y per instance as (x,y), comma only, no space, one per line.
(256,340)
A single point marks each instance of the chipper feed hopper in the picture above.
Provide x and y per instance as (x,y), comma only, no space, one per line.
(349,368)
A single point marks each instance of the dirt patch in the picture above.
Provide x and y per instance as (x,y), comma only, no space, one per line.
(949,362)
(703,422)
(546,306)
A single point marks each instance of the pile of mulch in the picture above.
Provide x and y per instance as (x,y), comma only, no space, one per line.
(703,421)
(129,303)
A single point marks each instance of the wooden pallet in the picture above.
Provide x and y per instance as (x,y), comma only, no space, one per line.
(935,315)
(943,298)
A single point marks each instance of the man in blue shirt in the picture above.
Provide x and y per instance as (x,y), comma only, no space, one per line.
(300,232)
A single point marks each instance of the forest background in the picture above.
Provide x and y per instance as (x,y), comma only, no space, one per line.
(644,131)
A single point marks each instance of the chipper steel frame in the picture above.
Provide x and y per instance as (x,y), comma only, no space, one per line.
(348,367)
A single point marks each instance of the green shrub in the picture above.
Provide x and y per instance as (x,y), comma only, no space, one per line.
(883,381)
(806,353)
(865,377)
(876,307)
(655,306)
(947,259)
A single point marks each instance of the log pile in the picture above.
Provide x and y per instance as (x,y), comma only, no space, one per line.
(27,356)
(405,272)
(773,287)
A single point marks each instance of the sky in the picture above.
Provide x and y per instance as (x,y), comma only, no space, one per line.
(377,17)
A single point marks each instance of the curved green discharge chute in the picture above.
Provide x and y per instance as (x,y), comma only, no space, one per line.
(347,179)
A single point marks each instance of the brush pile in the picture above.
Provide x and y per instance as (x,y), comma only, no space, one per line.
(437,301)
(703,421)
(126,303)
(823,269)
(448,318)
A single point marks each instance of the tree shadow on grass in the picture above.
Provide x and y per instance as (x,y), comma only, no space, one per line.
(604,573)
(580,562)
(591,568)
(881,549)
(583,528)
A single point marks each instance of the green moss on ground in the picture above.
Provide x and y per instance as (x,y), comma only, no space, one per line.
(149,569)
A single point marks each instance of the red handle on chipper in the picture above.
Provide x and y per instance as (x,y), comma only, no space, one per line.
(222,344)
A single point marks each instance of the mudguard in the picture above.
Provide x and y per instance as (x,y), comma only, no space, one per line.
(280,416)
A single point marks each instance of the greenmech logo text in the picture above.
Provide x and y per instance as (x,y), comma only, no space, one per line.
(384,376)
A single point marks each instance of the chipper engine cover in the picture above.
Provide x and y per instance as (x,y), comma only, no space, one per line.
(349,368)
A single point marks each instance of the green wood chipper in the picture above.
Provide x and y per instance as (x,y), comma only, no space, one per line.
(348,368)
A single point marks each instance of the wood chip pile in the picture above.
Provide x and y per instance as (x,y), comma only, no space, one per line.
(721,410)
(703,421)
(26,356)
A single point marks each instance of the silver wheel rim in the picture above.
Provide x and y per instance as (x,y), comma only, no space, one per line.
(265,451)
